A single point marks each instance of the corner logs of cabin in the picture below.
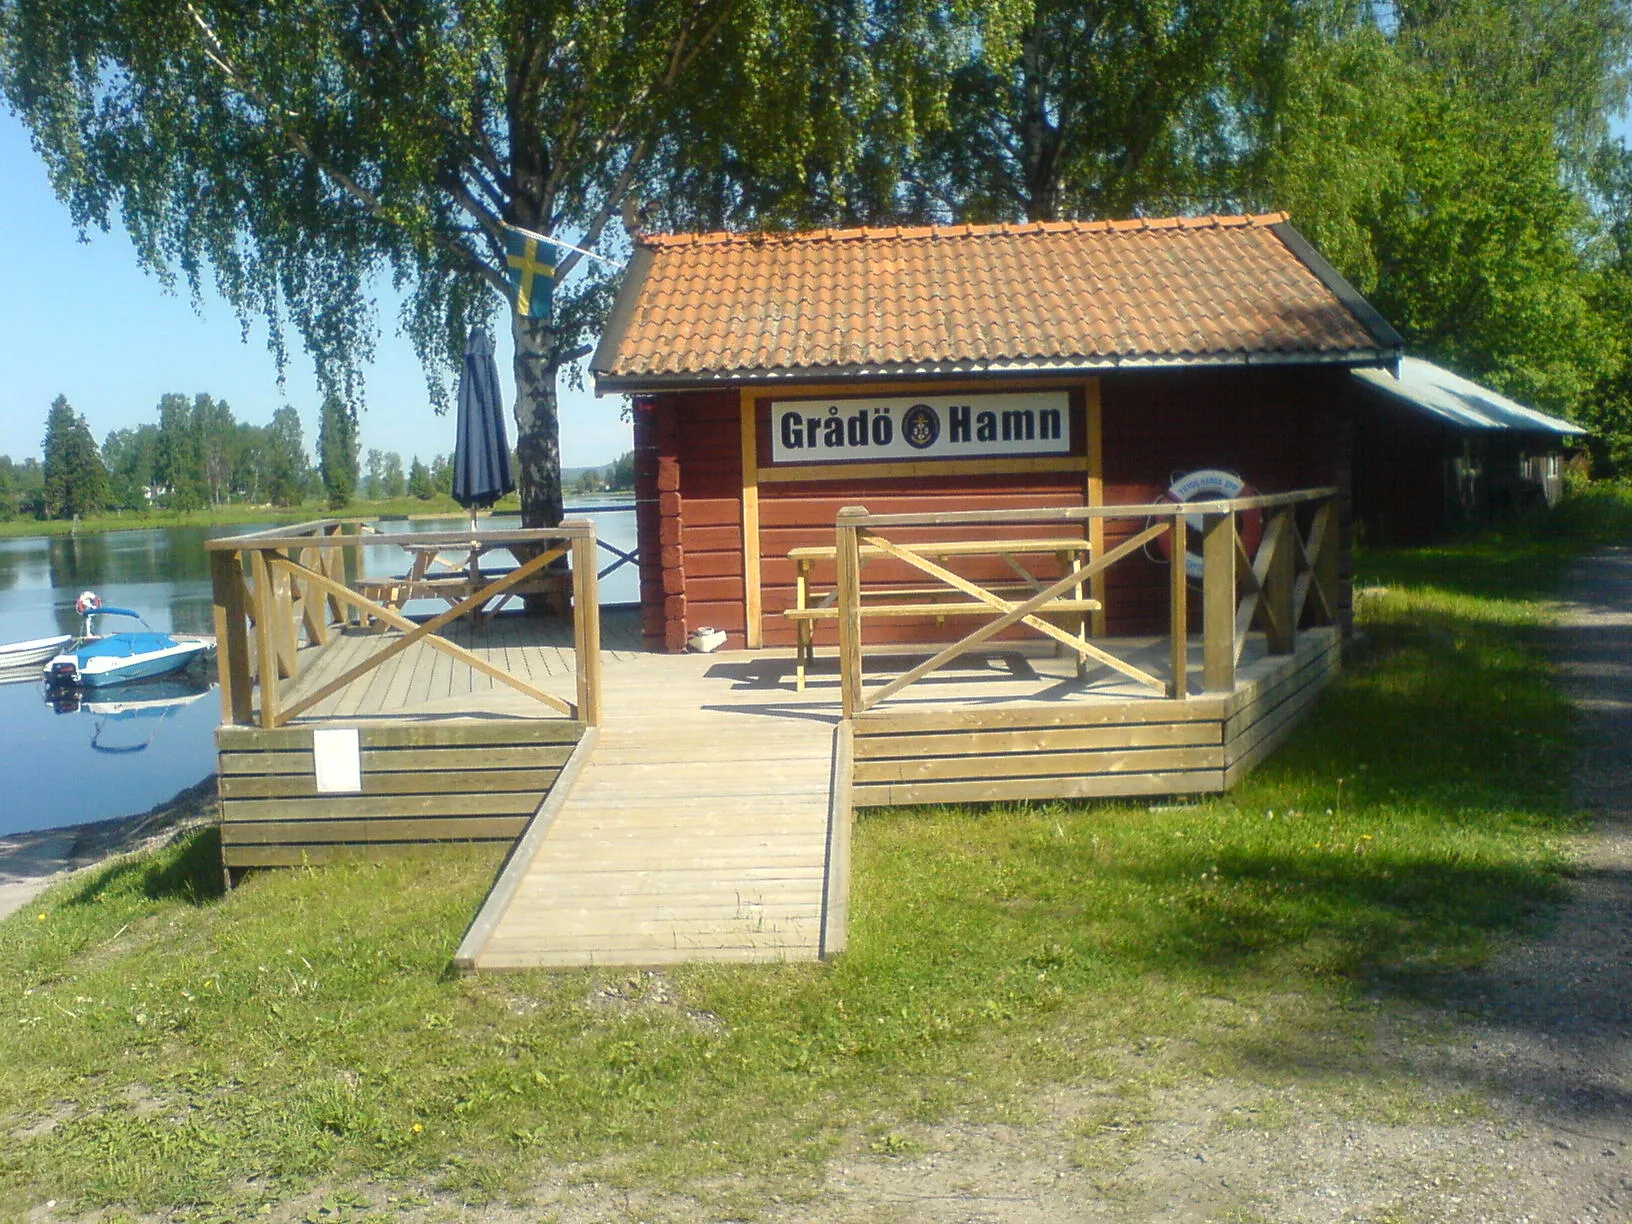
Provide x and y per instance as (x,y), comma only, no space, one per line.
(662,546)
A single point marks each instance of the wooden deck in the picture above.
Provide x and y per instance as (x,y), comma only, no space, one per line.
(664,808)
(707,818)
(425,681)
(697,829)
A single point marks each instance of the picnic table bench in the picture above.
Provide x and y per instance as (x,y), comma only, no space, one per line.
(897,601)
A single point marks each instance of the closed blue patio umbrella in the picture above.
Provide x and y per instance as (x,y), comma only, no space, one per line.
(481,452)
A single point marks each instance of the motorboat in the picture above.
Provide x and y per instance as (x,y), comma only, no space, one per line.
(19,658)
(118,658)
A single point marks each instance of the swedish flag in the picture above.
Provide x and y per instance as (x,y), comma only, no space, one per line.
(531,267)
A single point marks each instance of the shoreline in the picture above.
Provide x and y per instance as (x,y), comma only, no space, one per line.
(33,861)
(238,515)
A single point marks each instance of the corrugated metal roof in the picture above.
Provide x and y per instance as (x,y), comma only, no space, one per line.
(1059,296)
(1458,401)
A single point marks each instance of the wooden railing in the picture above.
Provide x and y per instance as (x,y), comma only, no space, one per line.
(278,588)
(1290,577)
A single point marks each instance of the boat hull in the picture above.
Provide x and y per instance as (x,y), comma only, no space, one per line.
(85,669)
(26,654)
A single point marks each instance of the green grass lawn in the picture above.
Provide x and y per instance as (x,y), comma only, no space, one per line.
(162,1044)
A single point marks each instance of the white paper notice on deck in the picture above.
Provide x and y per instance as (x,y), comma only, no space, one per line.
(339,760)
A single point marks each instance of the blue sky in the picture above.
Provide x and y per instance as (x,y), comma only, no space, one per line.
(82,320)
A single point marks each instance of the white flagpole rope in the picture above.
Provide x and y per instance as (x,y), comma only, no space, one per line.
(537,237)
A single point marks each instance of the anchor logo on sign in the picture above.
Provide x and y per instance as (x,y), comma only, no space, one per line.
(920,427)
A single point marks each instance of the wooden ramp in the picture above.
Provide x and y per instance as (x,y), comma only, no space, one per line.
(694,825)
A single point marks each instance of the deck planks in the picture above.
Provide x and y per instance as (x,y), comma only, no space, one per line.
(697,831)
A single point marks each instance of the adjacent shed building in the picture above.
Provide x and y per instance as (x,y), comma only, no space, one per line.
(778,378)
(1433,449)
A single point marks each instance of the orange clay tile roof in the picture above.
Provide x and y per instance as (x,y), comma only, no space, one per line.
(697,309)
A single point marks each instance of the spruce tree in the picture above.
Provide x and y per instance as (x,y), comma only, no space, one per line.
(76,482)
(337,452)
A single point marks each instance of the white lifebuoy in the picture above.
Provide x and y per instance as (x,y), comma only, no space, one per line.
(1210,484)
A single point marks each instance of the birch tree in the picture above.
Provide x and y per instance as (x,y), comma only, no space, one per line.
(294,151)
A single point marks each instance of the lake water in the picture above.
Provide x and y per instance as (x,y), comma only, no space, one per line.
(128,749)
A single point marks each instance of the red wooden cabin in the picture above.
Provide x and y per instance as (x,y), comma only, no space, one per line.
(1049,364)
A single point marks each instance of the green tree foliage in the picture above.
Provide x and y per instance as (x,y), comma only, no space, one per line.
(297,151)
(392,482)
(22,489)
(178,466)
(1071,109)
(419,481)
(285,448)
(130,456)
(215,436)
(374,474)
(76,483)
(337,451)
(620,474)
(442,474)
(1608,408)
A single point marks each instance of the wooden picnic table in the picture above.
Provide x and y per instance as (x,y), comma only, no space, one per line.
(454,582)
(937,601)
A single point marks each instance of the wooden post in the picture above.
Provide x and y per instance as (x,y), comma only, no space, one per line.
(753,626)
(1178,610)
(266,646)
(231,638)
(334,567)
(1218,598)
(849,592)
(1325,534)
(1280,578)
(285,632)
(1096,497)
(586,623)
(358,564)
(835,936)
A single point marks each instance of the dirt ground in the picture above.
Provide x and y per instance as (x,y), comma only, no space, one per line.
(1521,1101)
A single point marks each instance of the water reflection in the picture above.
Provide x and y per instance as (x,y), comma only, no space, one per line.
(136,712)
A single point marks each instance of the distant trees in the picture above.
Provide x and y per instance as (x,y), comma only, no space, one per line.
(286,458)
(442,474)
(419,481)
(384,478)
(131,457)
(22,488)
(76,483)
(198,455)
(337,451)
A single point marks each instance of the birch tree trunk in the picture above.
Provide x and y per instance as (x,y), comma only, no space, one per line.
(538,423)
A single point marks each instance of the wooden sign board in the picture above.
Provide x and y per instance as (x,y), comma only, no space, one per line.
(915,428)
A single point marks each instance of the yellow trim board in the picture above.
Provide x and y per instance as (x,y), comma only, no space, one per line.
(934,467)
(751,598)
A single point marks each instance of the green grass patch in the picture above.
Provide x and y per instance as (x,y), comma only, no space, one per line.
(162,1044)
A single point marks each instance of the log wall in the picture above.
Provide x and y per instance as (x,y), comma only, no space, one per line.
(1279,427)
